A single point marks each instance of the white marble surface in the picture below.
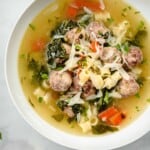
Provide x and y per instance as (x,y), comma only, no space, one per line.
(17,134)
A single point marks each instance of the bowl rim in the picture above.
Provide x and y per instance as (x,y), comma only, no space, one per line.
(88,142)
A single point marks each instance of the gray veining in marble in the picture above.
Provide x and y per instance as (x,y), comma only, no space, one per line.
(17,134)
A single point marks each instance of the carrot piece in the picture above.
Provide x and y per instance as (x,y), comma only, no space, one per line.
(95,6)
(94,45)
(38,44)
(105,115)
(116,119)
(71,12)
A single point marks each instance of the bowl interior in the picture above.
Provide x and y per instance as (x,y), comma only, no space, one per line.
(129,134)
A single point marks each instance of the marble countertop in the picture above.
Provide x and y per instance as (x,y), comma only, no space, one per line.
(16,133)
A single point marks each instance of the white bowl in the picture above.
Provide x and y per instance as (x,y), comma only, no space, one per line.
(123,137)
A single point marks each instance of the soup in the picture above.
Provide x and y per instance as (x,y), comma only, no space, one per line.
(83,65)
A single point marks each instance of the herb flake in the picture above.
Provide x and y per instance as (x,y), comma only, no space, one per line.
(110,20)
(137,108)
(137,95)
(31,102)
(100,129)
(58,117)
(32,27)
(40,99)
(148,100)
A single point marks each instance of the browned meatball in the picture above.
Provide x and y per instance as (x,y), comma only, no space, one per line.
(75,81)
(128,87)
(60,81)
(110,54)
(96,28)
(133,57)
(88,89)
(76,86)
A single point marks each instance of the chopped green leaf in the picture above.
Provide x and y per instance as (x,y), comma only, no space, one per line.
(144,61)
(44,76)
(129,7)
(77,47)
(40,99)
(0,136)
(82,63)
(22,56)
(31,103)
(118,46)
(59,68)
(137,108)
(125,9)
(110,20)
(148,100)
(63,27)
(49,21)
(55,51)
(123,14)
(58,117)
(70,120)
(123,47)
(32,26)
(126,47)
(141,26)
(106,98)
(39,71)
(62,104)
(137,95)
(33,65)
(137,12)
(140,81)
(100,129)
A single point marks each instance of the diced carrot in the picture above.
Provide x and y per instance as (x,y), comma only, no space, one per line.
(94,45)
(105,115)
(38,44)
(116,119)
(71,12)
(94,6)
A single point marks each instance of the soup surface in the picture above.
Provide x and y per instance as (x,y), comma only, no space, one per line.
(83,65)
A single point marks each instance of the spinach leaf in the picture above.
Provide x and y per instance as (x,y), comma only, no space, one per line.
(40,72)
(63,27)
(62,104)
(33,65)
(77,108)
(104,101)
(101,128)
(37,76)
(58,117)
(140,81)
(56,54)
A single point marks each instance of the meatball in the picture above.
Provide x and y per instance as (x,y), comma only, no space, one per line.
(88,89)
(128,87)
(96,28)
(110,54)
(133,57)
(75,81)
(60,81)
(76,85)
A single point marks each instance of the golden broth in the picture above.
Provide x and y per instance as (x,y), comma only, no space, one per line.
(43,24)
